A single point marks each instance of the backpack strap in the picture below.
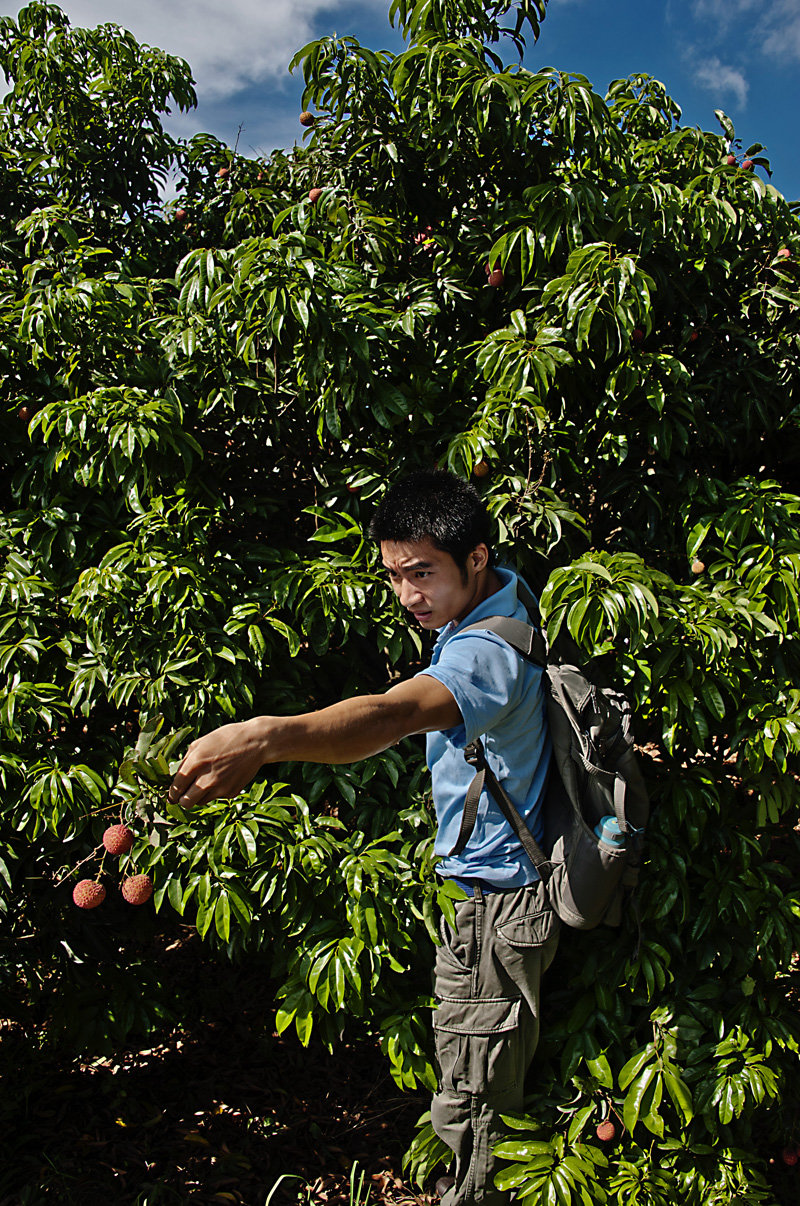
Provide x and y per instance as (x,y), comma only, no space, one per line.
(476,756)
(529,643)
(523,638)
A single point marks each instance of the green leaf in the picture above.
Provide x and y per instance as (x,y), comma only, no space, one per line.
(636,1095)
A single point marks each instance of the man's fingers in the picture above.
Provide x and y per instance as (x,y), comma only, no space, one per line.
(183,779)
(191,796)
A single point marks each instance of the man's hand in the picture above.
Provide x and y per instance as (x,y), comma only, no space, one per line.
(218,766)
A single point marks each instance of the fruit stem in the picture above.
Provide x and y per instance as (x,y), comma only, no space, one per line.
(72,870)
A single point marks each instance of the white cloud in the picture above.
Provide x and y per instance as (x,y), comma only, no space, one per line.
(780,31)
(724,11)
(773,30)
(229,45)
(720,78)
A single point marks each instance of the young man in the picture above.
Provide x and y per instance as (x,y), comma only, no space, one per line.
(434,536)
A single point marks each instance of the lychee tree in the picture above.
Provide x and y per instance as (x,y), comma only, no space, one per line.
(585,304)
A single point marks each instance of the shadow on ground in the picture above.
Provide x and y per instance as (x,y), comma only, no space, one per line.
(226,1111)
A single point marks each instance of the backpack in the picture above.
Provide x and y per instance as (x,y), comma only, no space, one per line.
(593,774)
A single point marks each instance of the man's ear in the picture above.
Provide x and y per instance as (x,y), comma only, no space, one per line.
(479,557)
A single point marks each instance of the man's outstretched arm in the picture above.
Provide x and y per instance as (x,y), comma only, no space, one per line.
(221,764)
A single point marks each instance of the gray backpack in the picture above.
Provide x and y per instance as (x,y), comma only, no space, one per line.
(594,774)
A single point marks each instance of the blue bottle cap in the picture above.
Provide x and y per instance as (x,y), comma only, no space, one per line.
(608,830)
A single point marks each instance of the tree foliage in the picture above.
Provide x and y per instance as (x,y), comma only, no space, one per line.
(201,403)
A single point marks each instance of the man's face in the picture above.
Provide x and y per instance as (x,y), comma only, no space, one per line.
(429,583)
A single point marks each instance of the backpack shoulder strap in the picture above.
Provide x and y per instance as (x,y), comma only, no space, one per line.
(524,638)
(484,776)
(529,643)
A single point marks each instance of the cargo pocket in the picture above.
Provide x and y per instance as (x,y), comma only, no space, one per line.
(533,929)
(458,946)
(477,1044)
(519,947)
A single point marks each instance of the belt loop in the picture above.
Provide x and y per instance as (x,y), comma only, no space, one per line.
(478,893)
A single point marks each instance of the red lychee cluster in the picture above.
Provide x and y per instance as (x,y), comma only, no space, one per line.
(136,889)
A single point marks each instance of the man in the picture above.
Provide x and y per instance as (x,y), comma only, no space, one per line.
(434,536)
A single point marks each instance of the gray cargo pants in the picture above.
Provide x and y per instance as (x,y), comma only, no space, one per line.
(486,984)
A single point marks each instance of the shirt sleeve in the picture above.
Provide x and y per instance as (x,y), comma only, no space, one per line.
(485,677)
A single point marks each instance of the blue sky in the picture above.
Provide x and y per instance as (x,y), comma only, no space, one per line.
(742,56)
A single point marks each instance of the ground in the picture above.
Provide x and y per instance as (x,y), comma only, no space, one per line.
(223,1112)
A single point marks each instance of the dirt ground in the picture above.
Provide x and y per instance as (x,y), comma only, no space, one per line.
(224,1112)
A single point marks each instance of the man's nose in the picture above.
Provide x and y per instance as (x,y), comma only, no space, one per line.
(408,593)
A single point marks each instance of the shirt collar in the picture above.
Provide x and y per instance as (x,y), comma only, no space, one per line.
(502,603)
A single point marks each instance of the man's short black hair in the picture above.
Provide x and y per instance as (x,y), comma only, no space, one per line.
(437,506)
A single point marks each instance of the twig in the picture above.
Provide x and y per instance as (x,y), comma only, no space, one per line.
(72,870)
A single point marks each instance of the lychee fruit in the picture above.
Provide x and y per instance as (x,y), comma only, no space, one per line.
(24,414)
(118,839)
(480,468)
(783,253)
(748,165)
(314,194)
(606,1131)
(698,566)
(180,215)
(637,337)
(307,119)
(731,160)
(138,889)
(88,894)
(223,172)
(693,335)
(496,278)
(789,1156)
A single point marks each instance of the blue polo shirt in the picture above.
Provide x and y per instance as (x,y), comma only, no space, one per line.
(501,699)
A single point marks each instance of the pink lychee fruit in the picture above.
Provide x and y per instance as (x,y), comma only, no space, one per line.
(138,889)
(118,839)
(88,894)
(307,119)
(314,194)
(606,1131)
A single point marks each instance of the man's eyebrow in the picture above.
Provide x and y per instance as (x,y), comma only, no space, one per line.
(416,565)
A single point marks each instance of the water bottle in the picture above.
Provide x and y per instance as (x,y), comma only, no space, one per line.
(609,832)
